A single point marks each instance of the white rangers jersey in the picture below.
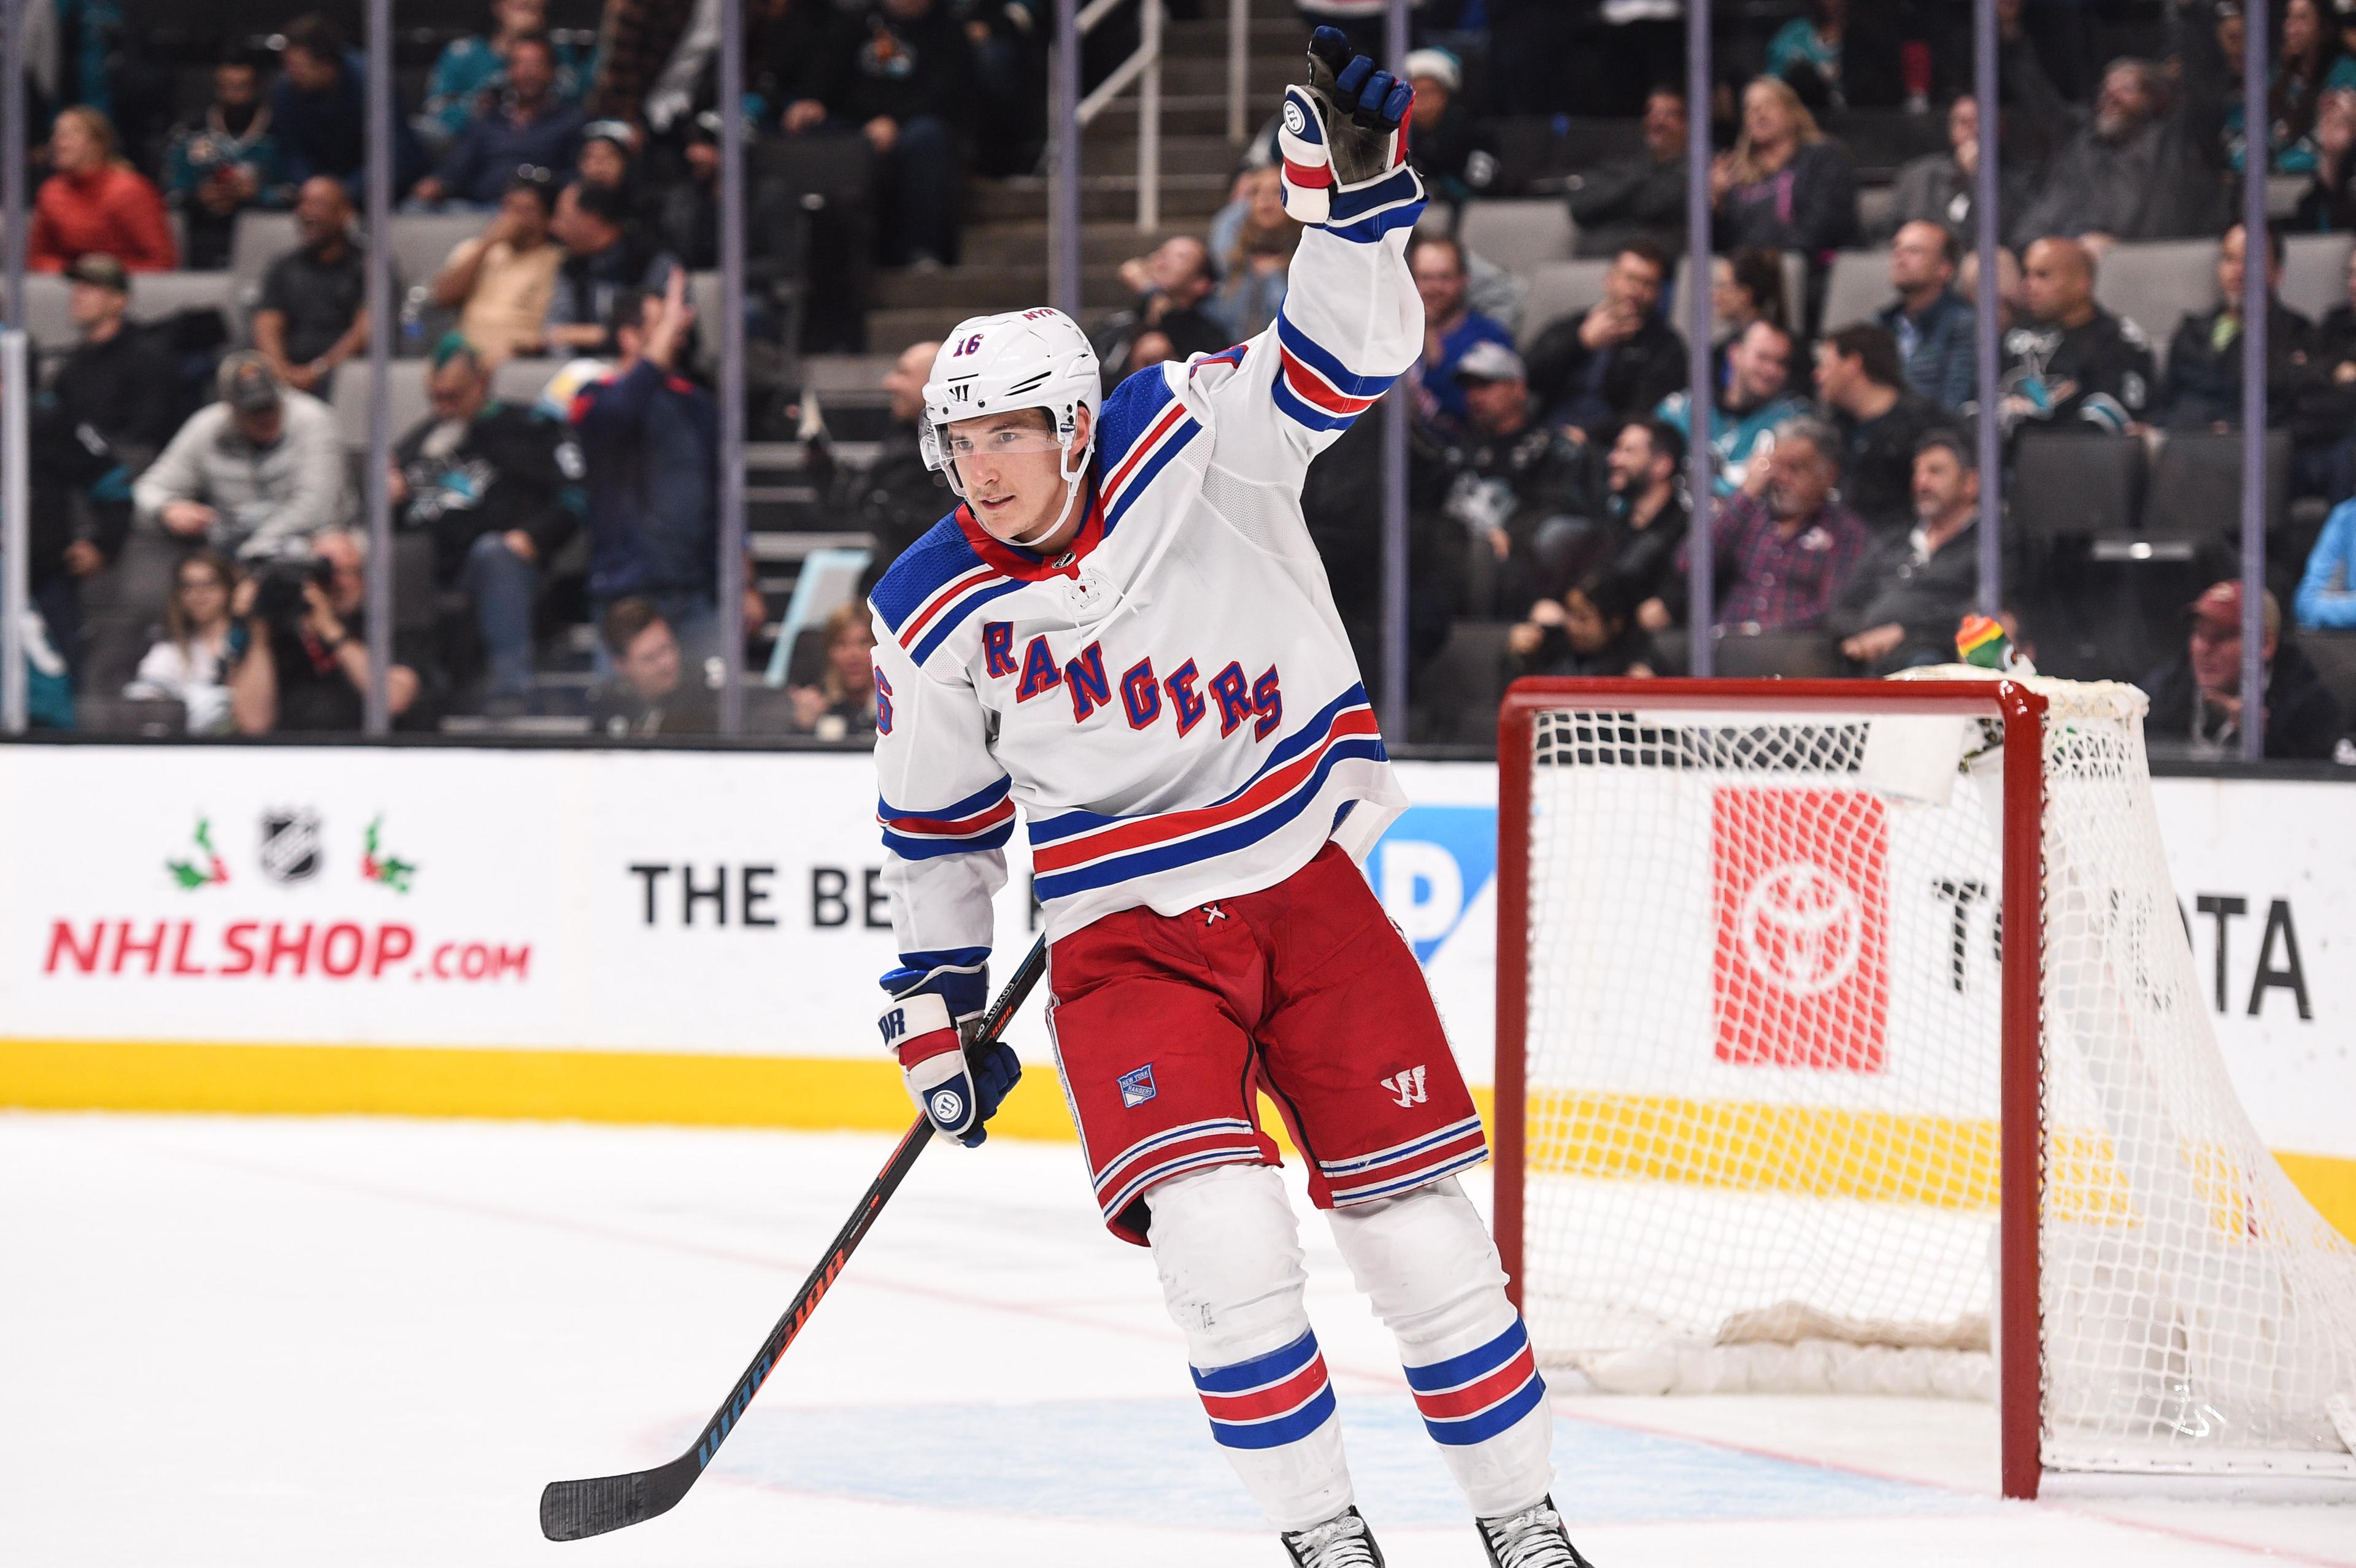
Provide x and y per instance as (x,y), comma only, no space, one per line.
(1172,703)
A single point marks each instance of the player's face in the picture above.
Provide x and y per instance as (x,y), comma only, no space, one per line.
(1011,467)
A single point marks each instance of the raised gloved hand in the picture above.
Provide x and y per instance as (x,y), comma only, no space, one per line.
(1345,128)
(955,1094)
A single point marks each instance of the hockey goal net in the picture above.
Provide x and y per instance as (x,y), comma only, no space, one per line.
(1848,1040)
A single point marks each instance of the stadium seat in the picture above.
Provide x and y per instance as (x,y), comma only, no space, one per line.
(421,241)
(149,718)
(522,380)
(1800,656)
(2157,283)
(1518,235)
(2196,492)
(1858,287)
(260,239)
(406,381)
(1457,693)
(2333,655)
(155,296)
(2067,485)
(1559,289)
(2315,273)
(48,312)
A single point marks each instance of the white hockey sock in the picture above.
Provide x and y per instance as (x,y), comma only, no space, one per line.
(1229,1253)
(1426,1262)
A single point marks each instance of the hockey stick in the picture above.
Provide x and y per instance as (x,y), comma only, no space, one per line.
(570,1510)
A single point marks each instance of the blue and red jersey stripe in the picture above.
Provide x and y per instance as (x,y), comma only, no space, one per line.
(1079,850)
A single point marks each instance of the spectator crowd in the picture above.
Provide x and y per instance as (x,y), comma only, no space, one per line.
(555,501)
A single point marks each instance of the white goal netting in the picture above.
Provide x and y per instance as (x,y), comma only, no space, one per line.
(1762,1067)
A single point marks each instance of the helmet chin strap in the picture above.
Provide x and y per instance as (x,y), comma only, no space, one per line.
(1072,481)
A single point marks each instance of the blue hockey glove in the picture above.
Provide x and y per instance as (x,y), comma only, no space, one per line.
(955,1094)
(1346,128)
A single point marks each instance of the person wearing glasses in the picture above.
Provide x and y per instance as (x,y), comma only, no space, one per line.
(527,126)
(189,663)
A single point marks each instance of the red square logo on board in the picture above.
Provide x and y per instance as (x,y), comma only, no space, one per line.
(1799,881)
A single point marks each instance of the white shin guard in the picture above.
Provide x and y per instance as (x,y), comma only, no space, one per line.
(1426,1262)
(1229,1254)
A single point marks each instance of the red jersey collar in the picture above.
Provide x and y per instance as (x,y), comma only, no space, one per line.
(1030,566)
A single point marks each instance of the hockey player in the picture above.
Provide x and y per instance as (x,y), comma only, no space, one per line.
(1125,630)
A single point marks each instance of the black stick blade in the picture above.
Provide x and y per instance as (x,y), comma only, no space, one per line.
(571,1510)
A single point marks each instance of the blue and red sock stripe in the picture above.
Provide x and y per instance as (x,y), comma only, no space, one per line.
(1387,1172)
(1472,1398)
(1269,1401)
(1197,1146)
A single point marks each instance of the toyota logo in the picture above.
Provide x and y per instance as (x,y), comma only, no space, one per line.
(1799,929)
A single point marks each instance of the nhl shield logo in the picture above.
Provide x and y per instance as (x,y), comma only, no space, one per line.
(290,845)
(1136,1087)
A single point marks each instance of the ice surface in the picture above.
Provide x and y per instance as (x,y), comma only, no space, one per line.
(361,1343)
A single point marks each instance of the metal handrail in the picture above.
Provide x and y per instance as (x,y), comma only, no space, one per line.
(1239,69)
(1144,67)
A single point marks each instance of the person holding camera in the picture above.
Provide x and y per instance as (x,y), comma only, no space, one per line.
(299,656)
(252,475)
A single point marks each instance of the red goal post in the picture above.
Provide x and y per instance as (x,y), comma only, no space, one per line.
(1784,1103)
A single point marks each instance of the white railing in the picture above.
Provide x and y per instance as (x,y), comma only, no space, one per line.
(1144,67)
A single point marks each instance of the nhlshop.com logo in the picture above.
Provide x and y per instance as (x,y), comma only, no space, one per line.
(275,950)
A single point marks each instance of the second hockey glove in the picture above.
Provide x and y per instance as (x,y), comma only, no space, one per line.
(1345,128)
(956,1095)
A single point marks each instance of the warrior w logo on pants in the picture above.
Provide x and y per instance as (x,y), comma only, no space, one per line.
(1407,1086)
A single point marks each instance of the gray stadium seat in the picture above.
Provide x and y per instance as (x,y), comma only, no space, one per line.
(421,241)
(521,380)
(2155,283)
(1801,656)
(2315,273)
(2334,657)
(1518,235)
(2067,485)
(1859,287)
(157,295)
(1559,289)
(48,312)
(2196,489)
(406,382)
(260,239)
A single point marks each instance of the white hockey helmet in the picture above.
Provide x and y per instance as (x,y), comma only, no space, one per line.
(1020,359)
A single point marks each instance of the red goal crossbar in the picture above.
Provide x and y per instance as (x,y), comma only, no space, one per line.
(2021,1367)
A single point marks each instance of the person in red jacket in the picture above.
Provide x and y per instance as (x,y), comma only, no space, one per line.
(96,201)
